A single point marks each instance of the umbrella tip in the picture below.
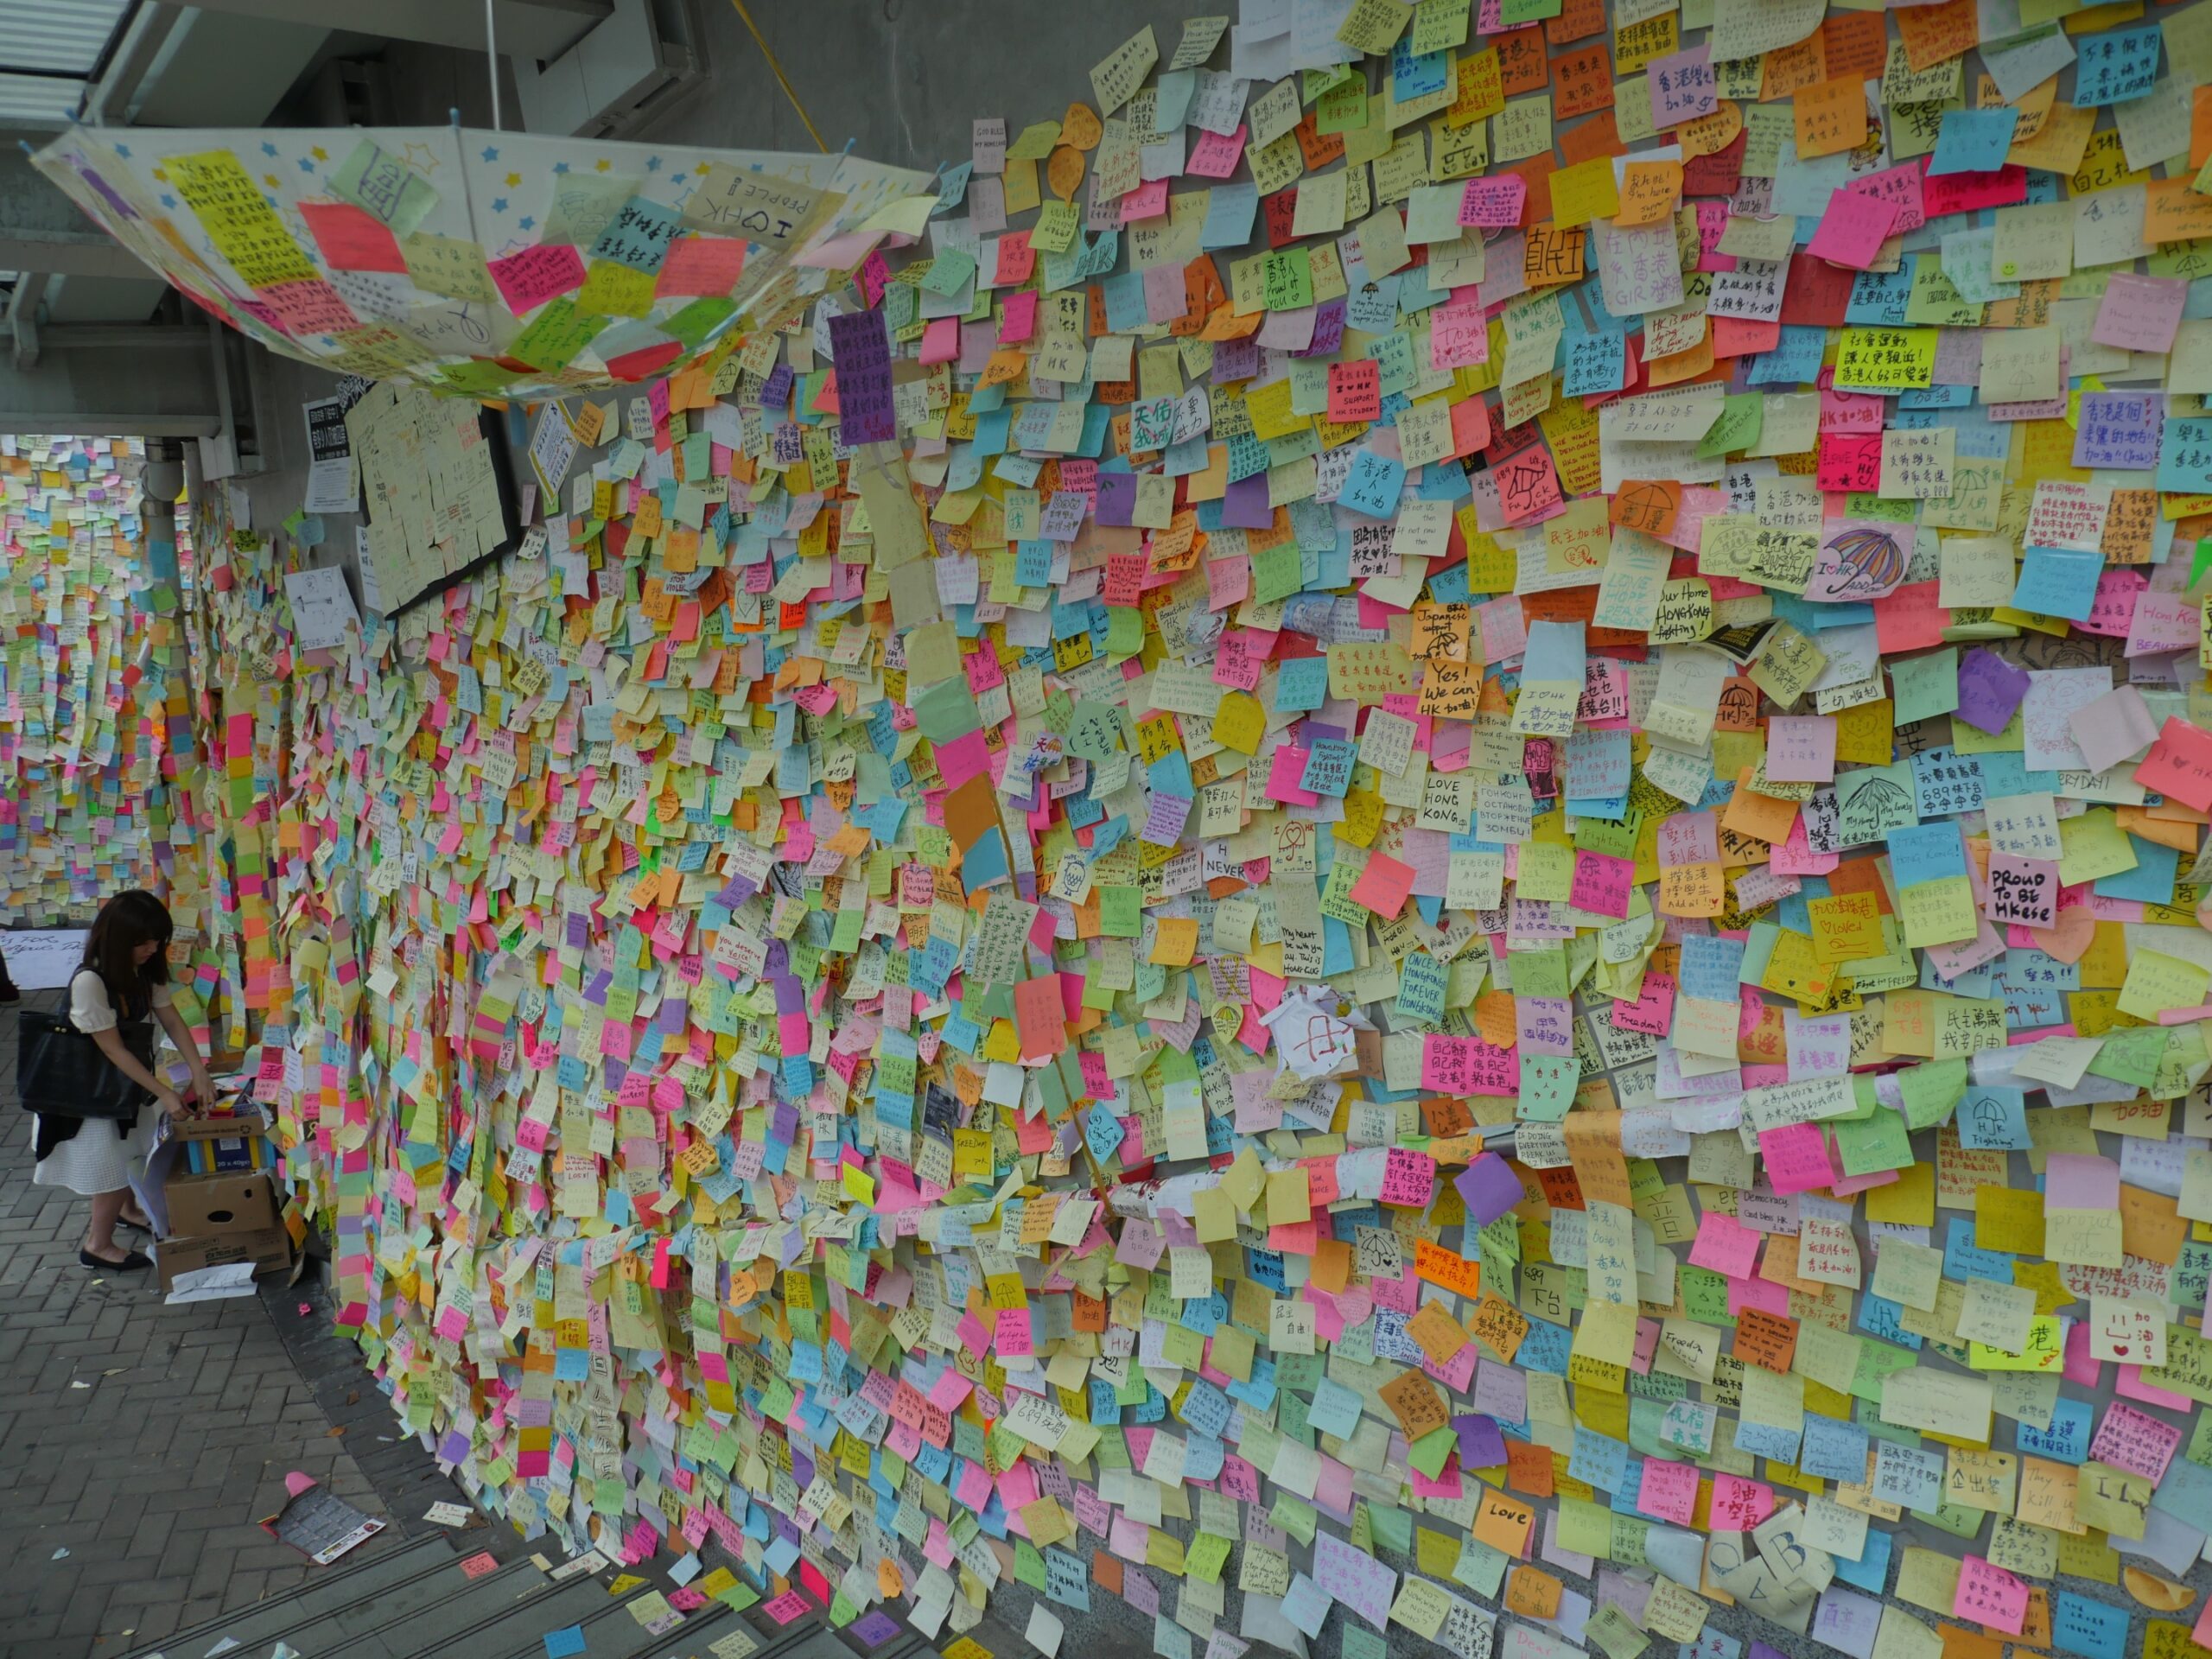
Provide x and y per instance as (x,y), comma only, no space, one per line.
(453,115)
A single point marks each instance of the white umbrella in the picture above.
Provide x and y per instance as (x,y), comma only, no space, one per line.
(484,265)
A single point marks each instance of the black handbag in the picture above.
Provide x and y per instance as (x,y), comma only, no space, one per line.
(61,1072)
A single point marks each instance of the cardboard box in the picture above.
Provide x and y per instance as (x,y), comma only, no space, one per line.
(225,1144)
(270,1249)
(202,1205)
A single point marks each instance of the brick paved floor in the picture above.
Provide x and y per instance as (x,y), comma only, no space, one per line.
(148,1440)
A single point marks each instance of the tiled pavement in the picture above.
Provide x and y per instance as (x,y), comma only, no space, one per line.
(140,1443)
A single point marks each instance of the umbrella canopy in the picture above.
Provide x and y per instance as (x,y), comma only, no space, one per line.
(484,265)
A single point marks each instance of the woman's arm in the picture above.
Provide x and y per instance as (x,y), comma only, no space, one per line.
(181,1034)
(124,1060)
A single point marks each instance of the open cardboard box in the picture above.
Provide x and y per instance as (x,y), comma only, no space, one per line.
(270,1249)
(200,1205)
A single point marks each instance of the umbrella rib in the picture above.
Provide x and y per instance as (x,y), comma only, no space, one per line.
(782,80)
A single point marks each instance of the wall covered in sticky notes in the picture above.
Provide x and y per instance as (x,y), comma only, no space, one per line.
(1407,897)
(92,698)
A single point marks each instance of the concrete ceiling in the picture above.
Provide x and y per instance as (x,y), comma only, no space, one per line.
(224,63)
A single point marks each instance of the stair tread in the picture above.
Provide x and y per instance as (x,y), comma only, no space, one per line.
(318,1597)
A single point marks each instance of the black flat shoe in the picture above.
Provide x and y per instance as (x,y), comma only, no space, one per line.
(132,1263)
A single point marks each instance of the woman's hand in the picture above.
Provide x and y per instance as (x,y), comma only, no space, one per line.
(203,1088)
(171,1103)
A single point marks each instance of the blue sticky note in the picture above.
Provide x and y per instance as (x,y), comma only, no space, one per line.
(2067,1439)
(1796,358)
(1555,652)
(562,1643)
(638,236)
(2114,67)
(1925,852)
(2185,455)
(2152,881)
(1373,486)
(1599,363)
(1417,75)
(2058,581)
(2091,1628)
(1973,141)
(1871,1572)
(1709,967)
(1597,1458)
(1303,684)
(1993,1117)
(1230,209)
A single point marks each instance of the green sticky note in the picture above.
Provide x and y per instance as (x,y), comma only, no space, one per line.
(1879,1143)
(1925,686)
(1930,1091)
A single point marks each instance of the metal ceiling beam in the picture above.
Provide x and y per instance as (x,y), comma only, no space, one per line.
(107,101)
(527,28)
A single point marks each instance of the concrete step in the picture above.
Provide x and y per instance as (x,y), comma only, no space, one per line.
(389,1564)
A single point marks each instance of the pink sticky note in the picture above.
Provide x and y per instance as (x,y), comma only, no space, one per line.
(2139,313)
(1796,1157)
(1602,884)
(1493,203)
(1725,1245)
(1668,1492)
(2115,727)
(1801,748)
(1990,1595)
(528,278)
(1214,156)
(2075,1180)
(1853,228)
(1739,1504)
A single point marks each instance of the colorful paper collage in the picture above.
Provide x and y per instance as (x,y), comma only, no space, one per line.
(1417,851)
(86,742)
(481,264)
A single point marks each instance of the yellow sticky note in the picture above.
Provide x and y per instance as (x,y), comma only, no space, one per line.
(2157,982)
(1585,191)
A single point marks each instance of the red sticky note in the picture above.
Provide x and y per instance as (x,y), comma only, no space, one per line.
(702,265)
(351,239)
(1383,885)
(2179,765)
(1039,1016)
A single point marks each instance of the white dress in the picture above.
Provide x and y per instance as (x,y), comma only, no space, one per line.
(99,1160)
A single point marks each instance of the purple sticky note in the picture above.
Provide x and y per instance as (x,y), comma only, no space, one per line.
(1488,1188)
(1245,506)
(1481,1445)
(861,349)
(1990,689)
(875,1628)
(2119,429)
(1118,497)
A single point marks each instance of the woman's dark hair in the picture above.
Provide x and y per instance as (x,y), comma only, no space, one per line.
(125,922)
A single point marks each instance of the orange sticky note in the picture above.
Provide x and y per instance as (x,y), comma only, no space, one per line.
(1832,117)
(1649,191)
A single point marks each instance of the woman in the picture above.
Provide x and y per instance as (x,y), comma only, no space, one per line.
(124,980)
